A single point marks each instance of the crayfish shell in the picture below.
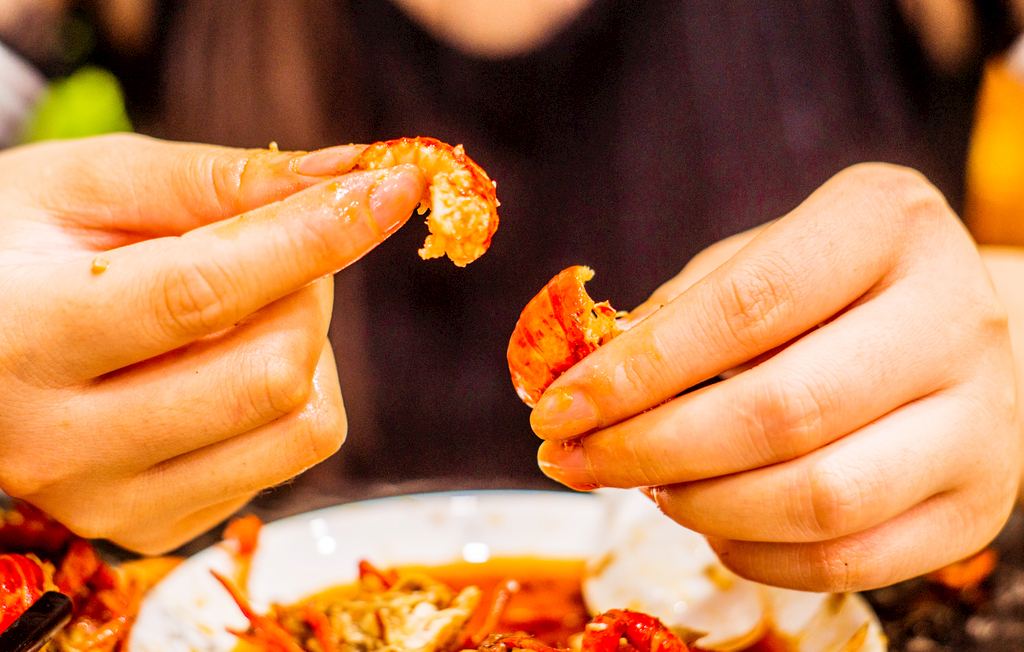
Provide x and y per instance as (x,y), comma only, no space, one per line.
(557,328)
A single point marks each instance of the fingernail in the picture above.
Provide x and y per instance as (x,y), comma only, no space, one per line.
(330,161)
(395,197)
(562,413)
(566,462)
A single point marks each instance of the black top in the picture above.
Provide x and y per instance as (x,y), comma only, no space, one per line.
(636,137)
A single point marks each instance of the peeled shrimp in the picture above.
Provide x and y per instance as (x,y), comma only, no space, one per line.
(460,196)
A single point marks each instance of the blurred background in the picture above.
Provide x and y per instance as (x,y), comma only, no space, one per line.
(623,135)
(59,54)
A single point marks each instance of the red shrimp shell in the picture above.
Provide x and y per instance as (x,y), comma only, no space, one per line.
(557,328)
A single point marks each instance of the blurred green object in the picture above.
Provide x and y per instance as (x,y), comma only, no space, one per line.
(87,103)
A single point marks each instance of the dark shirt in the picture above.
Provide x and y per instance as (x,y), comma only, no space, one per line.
(640,134)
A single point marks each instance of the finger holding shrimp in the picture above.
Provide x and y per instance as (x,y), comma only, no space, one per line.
(164,349)
(880,408)
(160,294)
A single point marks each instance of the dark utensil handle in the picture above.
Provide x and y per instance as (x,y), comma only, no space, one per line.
(40,622)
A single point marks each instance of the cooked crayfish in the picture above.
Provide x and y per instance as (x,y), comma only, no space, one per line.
(41,555)
(460,196)
(22,581)
(642,632)
(557,328)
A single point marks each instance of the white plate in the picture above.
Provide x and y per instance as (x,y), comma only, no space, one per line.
(189,611)
(296,557)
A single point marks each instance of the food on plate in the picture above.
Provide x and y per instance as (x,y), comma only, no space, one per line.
(539,596)
(557,328)
(23,580)
(529,553)
(656,566)
(537,605)
(641,633)
(408,612)
(240,538)
(415,610)
(39,554)
(460,196)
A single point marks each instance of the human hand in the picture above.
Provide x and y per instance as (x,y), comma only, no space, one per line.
(163,337)
(876,435)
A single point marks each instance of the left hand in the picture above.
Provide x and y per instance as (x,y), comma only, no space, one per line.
(874,434)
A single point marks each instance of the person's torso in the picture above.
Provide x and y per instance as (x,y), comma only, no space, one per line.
(636,137)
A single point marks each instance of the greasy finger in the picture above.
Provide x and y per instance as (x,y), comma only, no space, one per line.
(218,387)
(851,485)
(158,295)
(156,188)
(812,392)
(797,273)
(900,548)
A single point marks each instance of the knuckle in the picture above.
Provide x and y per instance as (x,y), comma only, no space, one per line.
(225,171)
(21,483)
(648,466)
(335,425)
(833,504)
(829,570)
(321,436)
(192,300)
(34,477)
(787,421)
(840,566)
(992,316)
(915,199)
(285,385)
(646,378)
(317,243)
(752,301)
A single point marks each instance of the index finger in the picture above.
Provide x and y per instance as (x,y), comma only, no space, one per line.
(158,295)
(794,275)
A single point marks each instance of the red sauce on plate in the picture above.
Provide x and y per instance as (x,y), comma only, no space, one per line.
(547,603)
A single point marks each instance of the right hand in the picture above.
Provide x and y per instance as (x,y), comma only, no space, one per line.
(146,402)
